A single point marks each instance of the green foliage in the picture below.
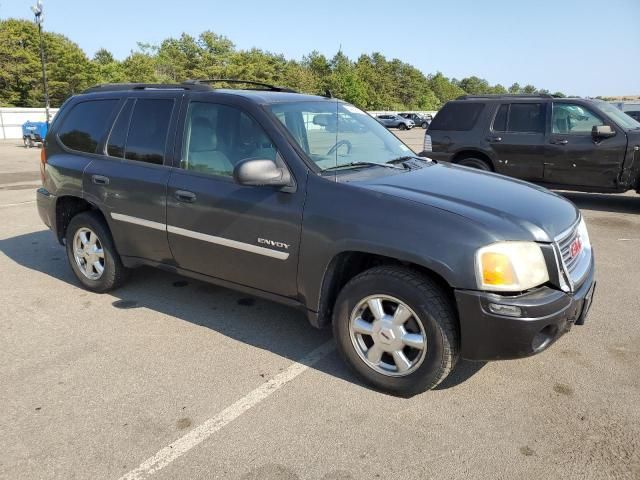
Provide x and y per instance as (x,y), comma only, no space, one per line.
(371,82)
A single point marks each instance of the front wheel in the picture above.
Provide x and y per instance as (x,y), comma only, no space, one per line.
(397,329)
(92,255)
(402,126)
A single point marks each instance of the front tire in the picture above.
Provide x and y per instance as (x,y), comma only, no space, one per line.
(402,126)
(397,329)
(92,255)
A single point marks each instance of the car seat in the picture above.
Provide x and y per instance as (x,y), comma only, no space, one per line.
(203,152)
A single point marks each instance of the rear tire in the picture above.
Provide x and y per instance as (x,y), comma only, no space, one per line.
(477,163)
(403,367)
(92,255)
(424,125)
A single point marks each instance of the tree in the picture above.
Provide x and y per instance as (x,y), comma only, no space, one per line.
(443,89)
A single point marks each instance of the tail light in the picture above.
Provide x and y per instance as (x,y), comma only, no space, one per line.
(43,162)
(428,147)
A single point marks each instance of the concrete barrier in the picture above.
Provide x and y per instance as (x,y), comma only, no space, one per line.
(12,118)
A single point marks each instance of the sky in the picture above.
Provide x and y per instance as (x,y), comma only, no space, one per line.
(579,47)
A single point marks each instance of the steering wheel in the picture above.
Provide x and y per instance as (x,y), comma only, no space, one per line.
(333,149)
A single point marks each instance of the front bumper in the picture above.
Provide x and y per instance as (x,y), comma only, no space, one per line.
(546,315)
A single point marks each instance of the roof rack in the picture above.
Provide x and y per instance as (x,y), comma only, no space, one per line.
(265,86)
(505,95)
(114,87)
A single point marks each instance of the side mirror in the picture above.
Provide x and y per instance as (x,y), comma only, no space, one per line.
(260,171)
(602,131)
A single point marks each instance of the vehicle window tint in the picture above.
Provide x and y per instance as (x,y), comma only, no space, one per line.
(148,130)
(576,119)
(118,136)
(526,118)
(218,137)
(457,116)
(86,124)
(500,122)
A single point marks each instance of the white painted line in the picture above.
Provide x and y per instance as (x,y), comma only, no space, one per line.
(17,204)
(203,431)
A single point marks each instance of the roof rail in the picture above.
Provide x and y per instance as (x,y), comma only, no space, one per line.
(264,86)
(114,87)
(505,95)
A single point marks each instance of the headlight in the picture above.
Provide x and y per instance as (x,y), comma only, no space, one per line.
(510,266)
(584,235)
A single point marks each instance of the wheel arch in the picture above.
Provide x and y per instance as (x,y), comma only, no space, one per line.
(466,153)
(346,265)
(69,206)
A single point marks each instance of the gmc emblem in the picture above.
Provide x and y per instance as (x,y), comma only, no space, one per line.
(576,247)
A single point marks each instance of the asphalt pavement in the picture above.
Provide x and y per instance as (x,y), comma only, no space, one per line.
(172,378)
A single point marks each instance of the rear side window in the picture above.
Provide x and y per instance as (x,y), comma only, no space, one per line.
(500,122)
(526,118)
(457,116)
(118,137)
(86,124)
(148,130)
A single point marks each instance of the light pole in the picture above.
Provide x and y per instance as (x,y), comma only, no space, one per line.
(39,18)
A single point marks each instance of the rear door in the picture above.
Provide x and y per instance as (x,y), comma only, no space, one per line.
(129,182)
(517,138)
(248,235)
(573,157)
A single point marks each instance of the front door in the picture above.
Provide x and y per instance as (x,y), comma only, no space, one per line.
(517,140)
(248,235)
(573,157)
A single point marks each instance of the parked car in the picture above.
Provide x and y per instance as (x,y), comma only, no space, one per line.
(396,121)
(566,143)
(418,118)
(635,114)
(33,132)
(414,263)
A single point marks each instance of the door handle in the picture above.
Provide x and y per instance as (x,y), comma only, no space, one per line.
(494,139)
(562,141)
(100,180)
(184,196)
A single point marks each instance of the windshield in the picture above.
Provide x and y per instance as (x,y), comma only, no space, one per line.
(333,133)
(618,116)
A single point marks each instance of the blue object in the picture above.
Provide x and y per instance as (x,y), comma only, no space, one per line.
(33,132)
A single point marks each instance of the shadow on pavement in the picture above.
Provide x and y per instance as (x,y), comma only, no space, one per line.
(257,322)
(605,202)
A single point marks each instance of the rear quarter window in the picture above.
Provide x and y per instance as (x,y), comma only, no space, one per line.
(86,124)
(457,116)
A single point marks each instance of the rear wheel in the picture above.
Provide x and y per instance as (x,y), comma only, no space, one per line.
(91,254)
(396,328)
(424,125)
(474,162)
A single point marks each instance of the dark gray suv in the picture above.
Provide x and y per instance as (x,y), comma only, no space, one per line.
(413,262)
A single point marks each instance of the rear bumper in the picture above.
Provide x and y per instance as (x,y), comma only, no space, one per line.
(46,208)
(546,315)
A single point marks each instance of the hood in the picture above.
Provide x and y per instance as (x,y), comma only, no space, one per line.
(510,209)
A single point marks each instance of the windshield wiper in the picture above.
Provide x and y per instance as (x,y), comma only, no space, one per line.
(363,164)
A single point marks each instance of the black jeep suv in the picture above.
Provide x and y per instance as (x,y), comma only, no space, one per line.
(564,143)
(415,263)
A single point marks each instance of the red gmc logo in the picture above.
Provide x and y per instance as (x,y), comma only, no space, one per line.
(576,247)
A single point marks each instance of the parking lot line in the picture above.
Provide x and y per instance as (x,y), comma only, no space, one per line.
(17,204)
(199,434)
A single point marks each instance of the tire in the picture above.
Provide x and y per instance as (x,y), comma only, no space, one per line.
(477,163)
(113,273)
(402,126)
(424,125)
(431,316)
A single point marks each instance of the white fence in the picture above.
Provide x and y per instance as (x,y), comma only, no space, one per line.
(11,120)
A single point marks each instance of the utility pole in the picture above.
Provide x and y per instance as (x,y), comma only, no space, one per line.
(39,18)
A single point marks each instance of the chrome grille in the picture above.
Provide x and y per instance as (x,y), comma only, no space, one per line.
(564,245)
(573,269)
